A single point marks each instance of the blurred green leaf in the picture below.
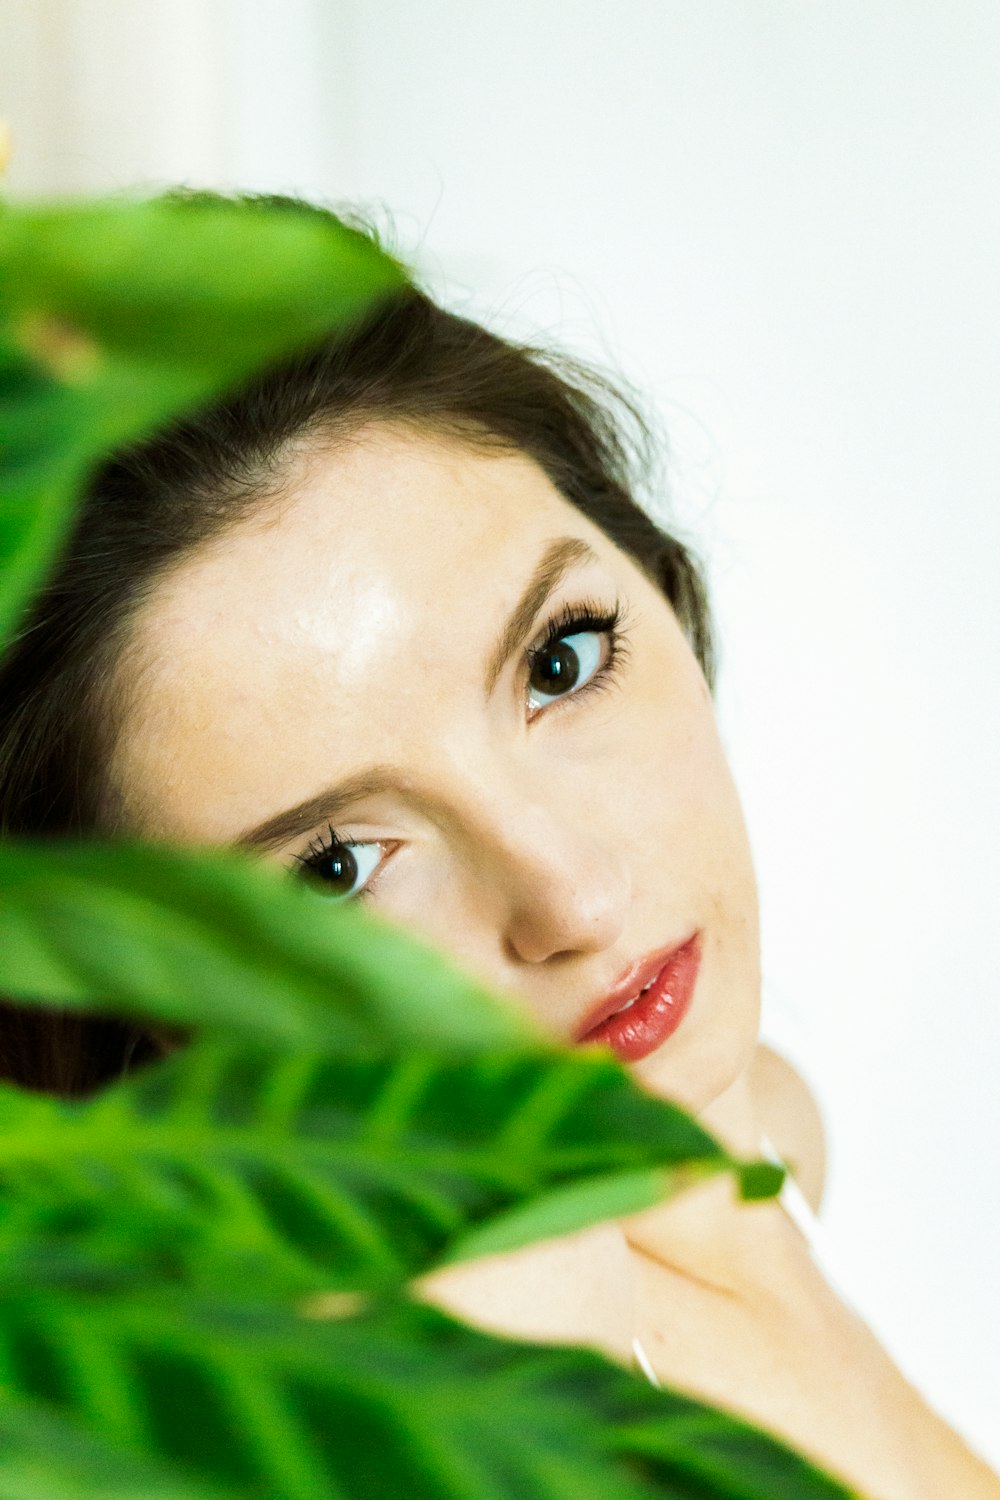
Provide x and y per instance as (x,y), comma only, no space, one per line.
(117,316)
(223,943)
(189,279)
(295,1173)
(401,1401)
(760,1179)
(572,1206)
(44,1455)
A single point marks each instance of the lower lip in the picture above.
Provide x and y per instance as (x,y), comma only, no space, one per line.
(634,1033)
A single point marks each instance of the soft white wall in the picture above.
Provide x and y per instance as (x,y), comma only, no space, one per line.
(781,220)
(103,93)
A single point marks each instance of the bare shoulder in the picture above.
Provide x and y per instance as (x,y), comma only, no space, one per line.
(790,1116)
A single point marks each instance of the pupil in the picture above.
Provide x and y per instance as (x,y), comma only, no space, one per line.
(339,872)
(556,670)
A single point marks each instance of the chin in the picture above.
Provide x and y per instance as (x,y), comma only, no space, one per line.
(698,1067)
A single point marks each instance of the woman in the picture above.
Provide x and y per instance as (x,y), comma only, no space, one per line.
(392,618)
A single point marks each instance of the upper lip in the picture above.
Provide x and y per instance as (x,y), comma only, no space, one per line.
(636,977)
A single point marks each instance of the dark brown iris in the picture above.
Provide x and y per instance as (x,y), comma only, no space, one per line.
(555,670)
(336,873)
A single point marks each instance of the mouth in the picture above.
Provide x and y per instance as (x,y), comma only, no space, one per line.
(647,1004)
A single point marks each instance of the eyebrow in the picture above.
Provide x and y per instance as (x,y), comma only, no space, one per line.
(556,561)
(323,808)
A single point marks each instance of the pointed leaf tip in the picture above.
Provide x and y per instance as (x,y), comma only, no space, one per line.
(760,1179)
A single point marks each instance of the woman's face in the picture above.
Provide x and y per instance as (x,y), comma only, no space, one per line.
(426,648)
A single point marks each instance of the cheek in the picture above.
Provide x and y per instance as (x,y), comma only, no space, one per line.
(669,733)
(675,787)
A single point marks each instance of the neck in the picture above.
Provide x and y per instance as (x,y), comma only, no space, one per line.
(734,1118)
(707,1233)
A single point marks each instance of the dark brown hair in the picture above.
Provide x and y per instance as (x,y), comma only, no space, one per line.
(410,362)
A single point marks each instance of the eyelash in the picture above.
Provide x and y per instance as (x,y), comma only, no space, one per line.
(572,619)
(324,847)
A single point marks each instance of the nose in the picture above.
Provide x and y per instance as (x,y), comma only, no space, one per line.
(564,889)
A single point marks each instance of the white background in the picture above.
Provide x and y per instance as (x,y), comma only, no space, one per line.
(781,221)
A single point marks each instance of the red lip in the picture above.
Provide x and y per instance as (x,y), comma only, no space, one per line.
(671,974)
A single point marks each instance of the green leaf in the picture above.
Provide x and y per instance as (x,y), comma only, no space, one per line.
(760,1179)
(223,943)
(117,316)
(191,281)
(565,1209)
(296,1173)
(46,1456)
(399,1401)
(707,1456)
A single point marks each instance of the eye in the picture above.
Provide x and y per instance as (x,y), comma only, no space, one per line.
(337,869)
(564,664)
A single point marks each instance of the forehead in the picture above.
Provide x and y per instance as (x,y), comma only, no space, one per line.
(291,649)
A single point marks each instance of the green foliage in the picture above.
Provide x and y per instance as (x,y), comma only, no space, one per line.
(397,1401)
(216,941)
(350,1113)
(115,316)
(45,1455)
(295,1172)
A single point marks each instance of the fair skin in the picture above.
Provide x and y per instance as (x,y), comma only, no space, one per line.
(338,654)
